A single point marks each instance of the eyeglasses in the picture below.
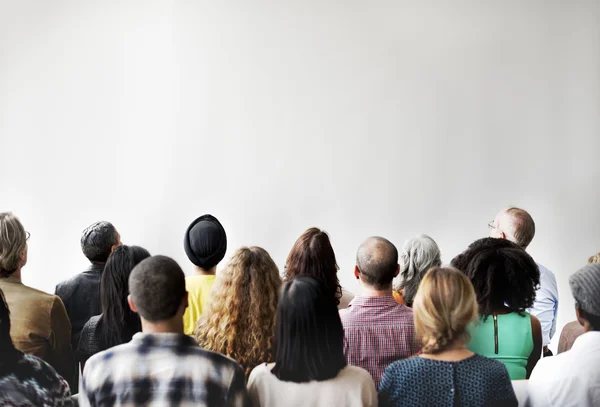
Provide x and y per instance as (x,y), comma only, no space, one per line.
(27,235)
(492,226)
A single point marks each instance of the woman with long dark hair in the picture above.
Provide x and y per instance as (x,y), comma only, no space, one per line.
(310,368)
(24,379)
(117,323)
(312,255)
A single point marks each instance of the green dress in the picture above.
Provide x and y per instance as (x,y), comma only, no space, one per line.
(506,338)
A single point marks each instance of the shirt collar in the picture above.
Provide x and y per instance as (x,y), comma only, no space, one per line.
(380,301)
(587,340)
(95,268)
(12,279)
(163,340)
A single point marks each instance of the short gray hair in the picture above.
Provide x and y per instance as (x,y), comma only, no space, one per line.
(418,255)
(522,226)
(13,240)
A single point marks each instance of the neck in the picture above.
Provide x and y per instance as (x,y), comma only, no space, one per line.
(368,291)
(204,272)
(173,325)
(455,352)
(17,274)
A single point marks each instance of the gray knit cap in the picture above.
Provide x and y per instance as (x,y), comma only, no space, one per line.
(585,286)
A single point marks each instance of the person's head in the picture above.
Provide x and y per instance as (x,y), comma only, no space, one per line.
(377,263)
(157,290)
(118,322)
(99,240)
(309,335)
(514,224)
(418,255)
(585,286)
(13,244)
(240,320)
(444,307)
(595,258)
(502,273)
(7,349)
(205,242)
(312,255)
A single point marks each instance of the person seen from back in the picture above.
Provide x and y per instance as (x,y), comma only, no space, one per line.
(573,329)
(240,320)
(418,255)
(205,243)
(39,323)
(377,329)
(161,365)
(446,374)
(310,368)
(81,293)
(573,377)
(24,379)
(312,255)
(505,278)
(517,225)
(117,323)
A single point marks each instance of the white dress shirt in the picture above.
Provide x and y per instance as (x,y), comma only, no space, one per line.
(569,379)
(545,307)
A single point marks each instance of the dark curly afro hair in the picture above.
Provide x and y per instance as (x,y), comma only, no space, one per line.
(502,273)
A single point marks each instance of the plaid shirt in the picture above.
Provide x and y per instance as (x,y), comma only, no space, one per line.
(165,369)
(377,332)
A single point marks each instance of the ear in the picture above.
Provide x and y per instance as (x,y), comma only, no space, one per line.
(356,272)
(502,235)
(397,270)
(131,304)
(185,301)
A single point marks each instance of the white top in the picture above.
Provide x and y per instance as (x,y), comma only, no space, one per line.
(352,387)
(569,379)
(545,307)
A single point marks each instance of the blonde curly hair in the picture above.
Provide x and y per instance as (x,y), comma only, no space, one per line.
(595,258)
(240,319)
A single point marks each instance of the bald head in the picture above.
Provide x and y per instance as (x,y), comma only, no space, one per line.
(377,262)
(516,225)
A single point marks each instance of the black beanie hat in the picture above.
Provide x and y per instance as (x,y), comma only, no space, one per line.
(205,242)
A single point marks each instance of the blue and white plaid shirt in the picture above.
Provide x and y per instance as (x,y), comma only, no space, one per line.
(162,370)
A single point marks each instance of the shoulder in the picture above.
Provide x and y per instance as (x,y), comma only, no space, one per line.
(260,372)
(488,367)
(405,366)
(65,288)
(42,371)
(355,373)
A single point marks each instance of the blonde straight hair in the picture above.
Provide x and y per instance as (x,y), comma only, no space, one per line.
(13,240)
(444,307)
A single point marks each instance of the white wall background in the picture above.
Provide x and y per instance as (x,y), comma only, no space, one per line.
(381,117)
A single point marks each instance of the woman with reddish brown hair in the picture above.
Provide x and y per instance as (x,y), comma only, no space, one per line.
(312,255)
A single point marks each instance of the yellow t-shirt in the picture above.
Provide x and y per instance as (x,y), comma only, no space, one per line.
(198,288)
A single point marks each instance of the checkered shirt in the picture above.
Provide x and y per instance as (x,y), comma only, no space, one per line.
(163,369)
(377,332)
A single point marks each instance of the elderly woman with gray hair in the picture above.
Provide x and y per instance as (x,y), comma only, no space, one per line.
(418,255)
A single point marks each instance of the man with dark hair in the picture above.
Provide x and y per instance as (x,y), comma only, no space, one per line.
(81,293)
(378,330)
(161,365)
(573,377)
(517,225)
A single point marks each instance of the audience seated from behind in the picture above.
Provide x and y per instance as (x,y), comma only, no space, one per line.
(161,365)
(377,329)
(118,323)
(418,255)
(505,278)
(313,256)
(81,293)
(26,380)
(310,368)
(240,319)
(205,243)
(40,325)
(446,373)
(517,225)
(573,329)
(573,377)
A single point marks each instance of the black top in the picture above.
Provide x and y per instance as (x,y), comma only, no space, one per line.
(81,296)
(475,381)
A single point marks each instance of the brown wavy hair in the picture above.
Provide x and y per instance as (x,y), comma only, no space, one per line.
(240,319)
(313,256)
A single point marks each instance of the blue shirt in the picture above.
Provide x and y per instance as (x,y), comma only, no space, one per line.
(545,307)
